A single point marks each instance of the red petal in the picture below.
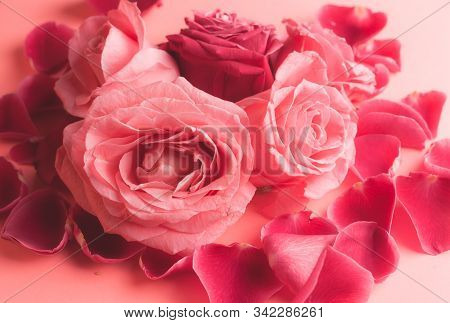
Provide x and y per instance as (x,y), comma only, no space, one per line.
(371,200)
(15,123)
(46,46)
(98,245)
(38,95)
(371,246)
(355,24)
(385,52)
(429,105)
(437,159)
(376,154)
(103,6)
(12,189)
(294,258)
(236,273)
(158,264)
(341,280)
(302,223)
(23,153)
(426,199)
(39,222)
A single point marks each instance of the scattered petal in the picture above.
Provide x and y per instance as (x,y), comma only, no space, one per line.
(235,273)
(385,52)
(376,154)
(15,123)
(426,199)
(371,200)
(158,264)
(39,222)
(437,159)
(355,24)
(371,246)
(12,189)
(46,47)
(99,245)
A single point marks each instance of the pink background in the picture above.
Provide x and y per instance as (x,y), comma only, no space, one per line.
(426,65)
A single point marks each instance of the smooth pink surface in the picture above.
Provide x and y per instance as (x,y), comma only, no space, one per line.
(425,52)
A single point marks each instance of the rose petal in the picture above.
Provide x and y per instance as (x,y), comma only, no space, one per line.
(99,245)
(12,189)
(437,159)
(293,258)
(371,246)
(23,153)
(103,6)
(355,24)
(39,222)
(301,223)
(46,47)
(158,264)
(429,105)
(341,280)
(235,273)
(426,199)
(385,52)
(371,200)
(15,123)
(376,154)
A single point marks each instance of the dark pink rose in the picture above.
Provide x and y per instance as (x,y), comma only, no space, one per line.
(224,55)
(166,165)
(107,49)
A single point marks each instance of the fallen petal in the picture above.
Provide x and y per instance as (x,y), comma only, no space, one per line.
(371,246)
(15,122)
(426,199)
(158,264)
(236,273)
(437,159)
(12,189)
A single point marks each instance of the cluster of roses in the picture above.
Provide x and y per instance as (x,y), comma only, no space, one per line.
(156,150)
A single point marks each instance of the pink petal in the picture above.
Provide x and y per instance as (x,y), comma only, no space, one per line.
(158,264)
(39,222)
(437,159)
(235,273)
(429,105)
(38,95)
(99,245)
(46,46)
(341,280)
(23,153)
(15,123)
(12,189)
(294,258)
(355,24)
(371,200)
(371,246)
(385,52)
(104,6)
(376,154)
(301,223)
(426,199)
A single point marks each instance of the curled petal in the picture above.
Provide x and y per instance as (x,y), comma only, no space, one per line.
(341,280)
(371,246)
(376,154)
(99,245)
(46,47)
(12,189)
(437,160)
(158,264)
(39,222)
(429,105)
(355,24)
(426,199)
(371,200)
(15,122)
(235,273)
(301,223)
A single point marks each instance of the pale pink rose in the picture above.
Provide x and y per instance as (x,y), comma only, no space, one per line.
(166,164)
(304,129)
(108,49)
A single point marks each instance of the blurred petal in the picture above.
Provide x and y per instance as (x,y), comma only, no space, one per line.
(385,52)
(235,273)
(15,123)
(39,222)
(158,264)
(12,189)
(371,200)
(426,199)
(23,153)
(437,159)
(371,246)
(103,6)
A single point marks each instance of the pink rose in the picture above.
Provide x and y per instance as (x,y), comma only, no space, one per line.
(304,129)
(166,164)
(107,49)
